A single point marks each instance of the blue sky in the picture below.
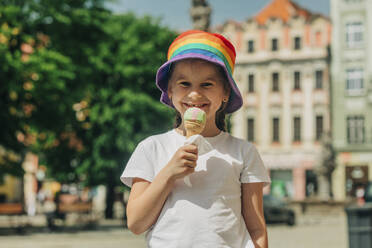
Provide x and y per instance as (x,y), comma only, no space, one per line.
(175,13)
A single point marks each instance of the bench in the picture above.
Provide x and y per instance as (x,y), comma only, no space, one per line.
(76,207)
(83,211)
(11,210)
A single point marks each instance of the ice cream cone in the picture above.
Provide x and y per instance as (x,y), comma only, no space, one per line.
(193,128)
(194,121)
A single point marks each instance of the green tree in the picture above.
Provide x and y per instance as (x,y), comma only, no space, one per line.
(27,101)
(80,87)
(120,105)
(124,108)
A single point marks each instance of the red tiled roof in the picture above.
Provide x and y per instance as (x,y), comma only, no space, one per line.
(282,9)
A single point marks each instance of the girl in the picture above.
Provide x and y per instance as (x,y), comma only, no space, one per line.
(223,208)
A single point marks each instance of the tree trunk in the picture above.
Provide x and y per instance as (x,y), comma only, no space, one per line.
(110,198)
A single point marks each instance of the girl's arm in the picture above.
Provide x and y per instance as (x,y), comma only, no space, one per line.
(147,199)
(252,210)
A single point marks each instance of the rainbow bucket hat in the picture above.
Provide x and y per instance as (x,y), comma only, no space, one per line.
(206,46)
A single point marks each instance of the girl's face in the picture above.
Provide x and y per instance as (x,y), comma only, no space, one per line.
(197,83)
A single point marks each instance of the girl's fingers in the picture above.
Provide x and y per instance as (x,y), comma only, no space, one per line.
(190,156)
(190,170)
(191,148)
(188,163)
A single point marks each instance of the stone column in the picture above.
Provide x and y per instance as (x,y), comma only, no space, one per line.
(299,183)
(286,122)
(30,184)
(308,123)
(263,127)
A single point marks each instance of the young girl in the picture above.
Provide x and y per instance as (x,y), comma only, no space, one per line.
(223,207)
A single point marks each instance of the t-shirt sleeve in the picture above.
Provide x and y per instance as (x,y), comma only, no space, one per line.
(140,164)
(254,170)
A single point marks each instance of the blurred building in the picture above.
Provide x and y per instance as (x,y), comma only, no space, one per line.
(17,190)
(282,69)
(10,189)
(351,72)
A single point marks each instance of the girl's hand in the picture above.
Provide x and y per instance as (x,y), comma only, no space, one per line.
(183,161)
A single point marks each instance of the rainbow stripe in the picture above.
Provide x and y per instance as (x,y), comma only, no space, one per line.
(198,42)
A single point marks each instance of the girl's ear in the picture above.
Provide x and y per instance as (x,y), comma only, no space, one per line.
(169,92)
(227,94)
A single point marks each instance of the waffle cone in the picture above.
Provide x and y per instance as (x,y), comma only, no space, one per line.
(193,128)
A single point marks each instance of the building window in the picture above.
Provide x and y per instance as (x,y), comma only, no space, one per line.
(311,183)
(250,134)
(250,46)
(282,182)
(297,80)
(318,127)
(297,43)
(276,129)
(251,83)
(274,44)
(296,129)
(354,81)
(275,81)
(354,34)
(319,79)
(355,129)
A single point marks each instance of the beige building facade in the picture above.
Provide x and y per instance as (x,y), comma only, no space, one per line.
(282,70)
(351,69)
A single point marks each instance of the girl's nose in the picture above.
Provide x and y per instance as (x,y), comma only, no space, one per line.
(194,94)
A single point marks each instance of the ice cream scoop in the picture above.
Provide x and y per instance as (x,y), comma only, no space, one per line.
(194,121)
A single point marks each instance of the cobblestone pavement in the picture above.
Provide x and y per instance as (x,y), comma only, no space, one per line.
(312,230)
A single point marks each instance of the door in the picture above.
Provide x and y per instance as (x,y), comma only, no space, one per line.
(356,177)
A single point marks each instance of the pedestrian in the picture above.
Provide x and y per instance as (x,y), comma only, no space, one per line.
(223,206)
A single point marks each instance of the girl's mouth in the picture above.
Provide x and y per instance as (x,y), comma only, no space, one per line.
(202,105)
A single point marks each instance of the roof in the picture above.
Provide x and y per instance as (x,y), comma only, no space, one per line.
(281,9)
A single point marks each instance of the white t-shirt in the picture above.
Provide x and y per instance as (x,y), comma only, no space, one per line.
(208,214)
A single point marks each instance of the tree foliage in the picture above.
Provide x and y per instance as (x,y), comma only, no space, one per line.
(34,77)
(78,86)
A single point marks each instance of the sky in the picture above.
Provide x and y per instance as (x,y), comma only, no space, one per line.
(175,13)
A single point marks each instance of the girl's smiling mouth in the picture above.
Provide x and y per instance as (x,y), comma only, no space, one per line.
(200,105)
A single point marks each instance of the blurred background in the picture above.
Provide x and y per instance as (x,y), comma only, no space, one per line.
(77,85)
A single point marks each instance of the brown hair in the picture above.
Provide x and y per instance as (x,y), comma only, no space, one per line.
(221,113)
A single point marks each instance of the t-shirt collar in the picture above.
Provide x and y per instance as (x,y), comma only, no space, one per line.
(212,140)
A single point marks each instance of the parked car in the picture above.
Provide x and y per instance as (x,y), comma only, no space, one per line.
(276,210)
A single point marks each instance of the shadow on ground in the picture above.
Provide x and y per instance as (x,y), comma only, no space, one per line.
(105,225)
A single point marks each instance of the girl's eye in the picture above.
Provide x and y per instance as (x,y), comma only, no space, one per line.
(207,84)
(184,84)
